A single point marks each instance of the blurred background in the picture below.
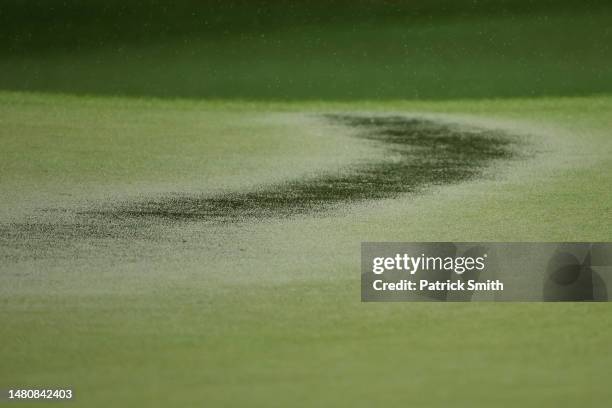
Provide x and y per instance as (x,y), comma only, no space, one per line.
(289,50)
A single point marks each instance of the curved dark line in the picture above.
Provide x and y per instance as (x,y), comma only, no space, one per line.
(420,153)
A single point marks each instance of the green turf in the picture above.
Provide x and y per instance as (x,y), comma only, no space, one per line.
(269,313)
(552,52)
(190,313)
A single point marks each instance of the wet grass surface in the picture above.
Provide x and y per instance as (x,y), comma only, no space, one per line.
(250,310)
(419,153)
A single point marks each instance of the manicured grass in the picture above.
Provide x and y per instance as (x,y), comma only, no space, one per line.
(178,312)
(549,52)
(269,313)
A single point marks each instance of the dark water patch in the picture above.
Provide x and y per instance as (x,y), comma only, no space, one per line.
(419,153)
(414,154)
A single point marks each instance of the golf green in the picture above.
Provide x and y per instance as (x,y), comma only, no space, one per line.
(185,187)
(160,311)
